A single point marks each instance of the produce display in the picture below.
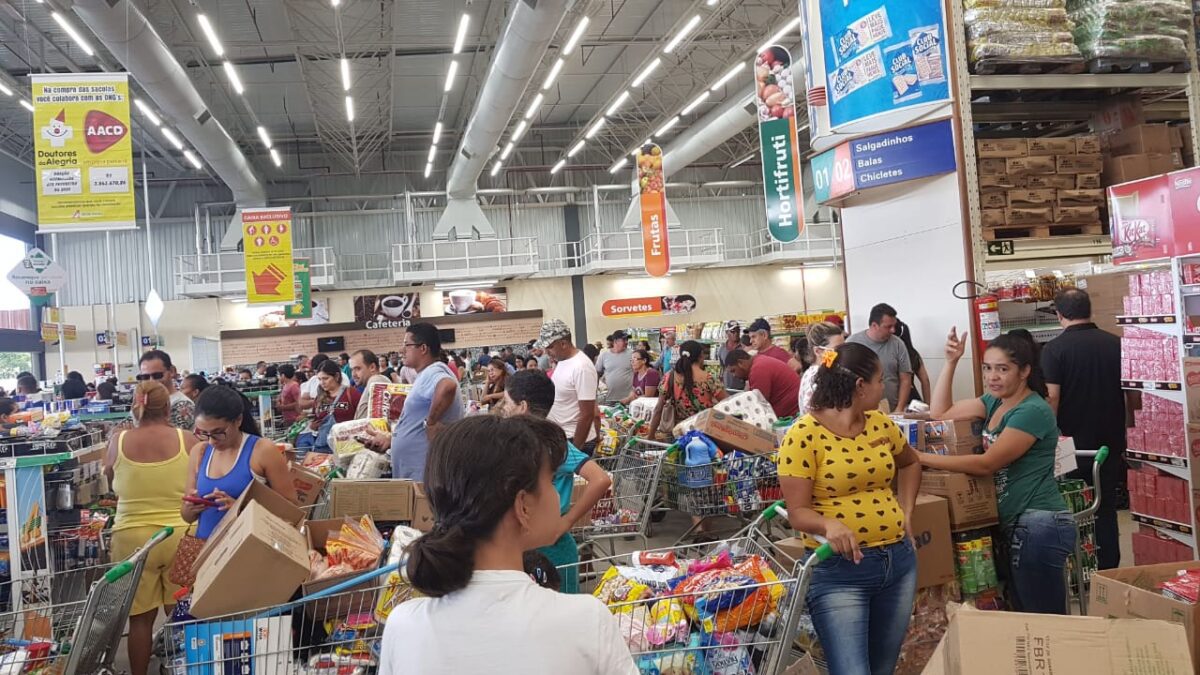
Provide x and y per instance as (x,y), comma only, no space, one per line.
(773,82)
(1017,30)
(1136,29)
(650,173)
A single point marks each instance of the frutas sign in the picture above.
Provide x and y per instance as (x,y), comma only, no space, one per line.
(267,251)
(780,147)
(655,246)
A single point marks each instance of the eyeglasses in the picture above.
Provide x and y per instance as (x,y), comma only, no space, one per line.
(203,435)
(142,377)
(413,344)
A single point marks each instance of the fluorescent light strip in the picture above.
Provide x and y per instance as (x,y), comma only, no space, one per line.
(791,25)
(262,134)
(349,108)
(507,150)
(335,3)
(450,76)
(276,158)
(575,150)
(171,137)
(27,105)
(727,76)
(620,163)
(5,90)
(345,74)
(683,32)
(461,38)
(233,77)
(637,81)
(432,152)
(595,128)
(437,132)
(558,167)
(667,127)
(211,34)
(142,108)
(695,103)
(496,168)
(191,157)
(481,283)
(519,131)
(553,74)
(534,105)
(575,35)
(70,31)
(428,170)
(710,3)
(612,109)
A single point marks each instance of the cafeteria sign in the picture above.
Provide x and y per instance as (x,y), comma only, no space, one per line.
(663,305)
(267,250)
(884,159)
(83,152)
(779,146)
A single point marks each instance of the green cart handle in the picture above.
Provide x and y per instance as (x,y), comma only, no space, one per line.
(822,552)
(1101,455)
(119,570)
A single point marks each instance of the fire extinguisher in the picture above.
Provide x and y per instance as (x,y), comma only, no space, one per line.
(985,313)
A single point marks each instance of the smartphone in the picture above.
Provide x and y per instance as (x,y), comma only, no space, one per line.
(200,500)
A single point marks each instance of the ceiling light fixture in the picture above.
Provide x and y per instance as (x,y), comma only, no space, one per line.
(727,76)
(345,74)
(575,150)
(432,152)
(507,150)
(5,90)
(276,158)
(211,34)
(496,168)
(789,27)
(612,109)
(437,132)
(142,107)
(428,170)
(519,131)
(620,163)
(667,127)
(575,35)
(534,105)
(461,37)
(450,76)
(637,81)
(335,3)
(27,105)
(481,283)
(558,167)
(262,134)
(595,128)
(191,158)
(710,3)
(171,137)
(695,103)
(233,77)
(683,32)
(349,108)
(554,71)
(70,31)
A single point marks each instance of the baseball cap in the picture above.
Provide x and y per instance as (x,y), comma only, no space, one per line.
(731,326)
(760,324)
(620,335)
(552,331)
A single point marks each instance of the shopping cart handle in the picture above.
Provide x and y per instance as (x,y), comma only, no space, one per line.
(776,509)
(164,533)
(1101,455)
(119,570)
(823,552)
(779,508)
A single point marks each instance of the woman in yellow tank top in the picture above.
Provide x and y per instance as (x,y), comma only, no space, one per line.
(147,467)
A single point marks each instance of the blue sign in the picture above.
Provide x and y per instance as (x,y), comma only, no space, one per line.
(883,56)
(884,159)
(101,339)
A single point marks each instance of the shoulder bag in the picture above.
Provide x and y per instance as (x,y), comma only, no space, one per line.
(182,572)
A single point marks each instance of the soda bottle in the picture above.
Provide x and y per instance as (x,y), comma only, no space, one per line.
(989,562)
(962,560)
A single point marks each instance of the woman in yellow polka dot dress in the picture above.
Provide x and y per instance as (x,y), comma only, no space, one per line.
(836,467)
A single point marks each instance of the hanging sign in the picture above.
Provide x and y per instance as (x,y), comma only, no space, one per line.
(397,310)
(655,248)
(663,305)
(267,250)
(884,159)
(882,57)
(37,275)
(779,145)
(83,152)
(302,307)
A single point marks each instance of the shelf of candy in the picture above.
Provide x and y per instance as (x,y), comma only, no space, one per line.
(1149,356)
(1150,293)
(1158,428)
(1020,287)
(1155,494)
(1151,547)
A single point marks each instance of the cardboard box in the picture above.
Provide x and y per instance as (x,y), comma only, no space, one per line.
(351,600)
(935,550)
(383,499)
(1001,180)
(1126,168)
(972,500)
(1002,147)
(731,433)
(1077,214)
(993,217)
(1079,163)
(1016,166)
(258,493)
(1087,145)
(1081,197)
(422,516)
(1022,198)
(1185,135)
(1037,216)
(1176,138)
(1003,643)
(1165,162)
(308,485)
(1141,139)
(577,489)
(993,199)
(259,562)
(1050,181)
(961,437)
(1052,146)
(1132,593)
(990,165)
(1088,181)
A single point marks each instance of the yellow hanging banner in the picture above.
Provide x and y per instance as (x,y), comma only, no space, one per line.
(83,152)
(267,249)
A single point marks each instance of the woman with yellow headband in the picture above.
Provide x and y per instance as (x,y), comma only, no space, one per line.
(836,468)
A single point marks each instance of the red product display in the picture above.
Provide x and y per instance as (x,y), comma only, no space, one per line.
(1152,548)
(1146,355)
(1158,427)
(1150,293)
(1156,217)
(1158,495)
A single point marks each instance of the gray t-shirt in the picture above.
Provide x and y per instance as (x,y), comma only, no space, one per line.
(894,356)
(727,377)
(617,371)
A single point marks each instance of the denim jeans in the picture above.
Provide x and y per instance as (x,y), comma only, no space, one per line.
(861,611)
(1039,543)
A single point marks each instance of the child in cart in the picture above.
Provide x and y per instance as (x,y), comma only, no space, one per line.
(490,482)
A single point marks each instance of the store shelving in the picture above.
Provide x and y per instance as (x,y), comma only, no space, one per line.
(1177,531)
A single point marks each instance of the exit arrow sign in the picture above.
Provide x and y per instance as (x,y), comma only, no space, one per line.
(1001,247)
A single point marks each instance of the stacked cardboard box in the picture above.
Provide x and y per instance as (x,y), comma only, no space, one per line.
(1151,547)
(1141,151)
(1038,182)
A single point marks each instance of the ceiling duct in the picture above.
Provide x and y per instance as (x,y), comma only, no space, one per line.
(128,35)
(530,28)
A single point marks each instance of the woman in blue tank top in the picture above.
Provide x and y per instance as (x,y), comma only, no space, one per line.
(230,456)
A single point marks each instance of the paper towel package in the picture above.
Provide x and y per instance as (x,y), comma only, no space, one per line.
(748,406)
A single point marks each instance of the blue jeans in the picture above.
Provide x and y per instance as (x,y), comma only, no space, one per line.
(861,611)
(1039,543)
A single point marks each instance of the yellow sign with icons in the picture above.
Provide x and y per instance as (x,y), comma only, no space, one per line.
(267,250)
(83,152)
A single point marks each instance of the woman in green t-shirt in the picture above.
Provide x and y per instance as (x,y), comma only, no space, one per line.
(1019,439)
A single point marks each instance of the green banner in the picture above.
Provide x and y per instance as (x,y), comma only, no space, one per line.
(775,96)
(302,308)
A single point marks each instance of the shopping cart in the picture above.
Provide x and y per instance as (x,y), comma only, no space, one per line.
(71,634)
(737,486)
(1084,501)
(627,508)
(749,619)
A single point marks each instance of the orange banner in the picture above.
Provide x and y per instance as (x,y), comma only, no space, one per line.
(655,306)
(655,247)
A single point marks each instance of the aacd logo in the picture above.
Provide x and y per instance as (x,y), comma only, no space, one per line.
(102,131)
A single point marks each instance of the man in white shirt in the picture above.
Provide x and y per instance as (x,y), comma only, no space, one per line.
(575,382)
(310,388)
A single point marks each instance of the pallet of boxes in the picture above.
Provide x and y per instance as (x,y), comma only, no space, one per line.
(1040,187)
(1145,150)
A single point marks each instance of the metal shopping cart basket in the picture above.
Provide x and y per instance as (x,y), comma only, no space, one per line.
(1083,500)
(72,634)
(737,485)
(738,616)
(627,508)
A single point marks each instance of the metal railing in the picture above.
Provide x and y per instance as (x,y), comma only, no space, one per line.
(225,273)
(365,270)
(818,242)
(466,259)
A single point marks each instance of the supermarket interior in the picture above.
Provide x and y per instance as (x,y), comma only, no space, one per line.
(732,336)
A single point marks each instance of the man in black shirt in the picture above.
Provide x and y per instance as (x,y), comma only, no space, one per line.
(1083,373)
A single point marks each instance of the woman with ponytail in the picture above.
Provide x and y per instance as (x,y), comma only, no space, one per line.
(687,389)
(1020,436)
(490,483)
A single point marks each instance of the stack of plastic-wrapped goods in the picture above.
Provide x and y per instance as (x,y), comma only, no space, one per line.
(1019,31)
(1149,30)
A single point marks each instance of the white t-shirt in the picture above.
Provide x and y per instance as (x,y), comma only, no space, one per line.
(312,386)
(504,623)
(575,380)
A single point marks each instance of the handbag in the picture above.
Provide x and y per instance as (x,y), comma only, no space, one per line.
(182,572)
